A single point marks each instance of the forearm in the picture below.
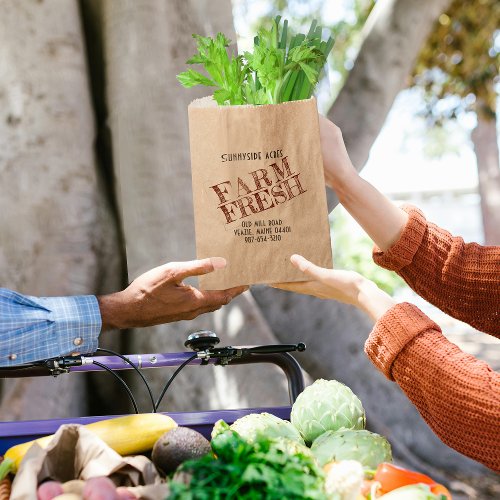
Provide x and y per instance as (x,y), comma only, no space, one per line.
(456,394)
(460,278)
(377,215)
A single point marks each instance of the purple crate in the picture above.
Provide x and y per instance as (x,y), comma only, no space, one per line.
(12,433)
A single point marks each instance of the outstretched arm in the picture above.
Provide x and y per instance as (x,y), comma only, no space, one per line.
(37,328)
(461,279)
(160,296)
(456,394)
(376,214)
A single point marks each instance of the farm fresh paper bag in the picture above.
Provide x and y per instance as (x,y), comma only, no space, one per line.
(258,190)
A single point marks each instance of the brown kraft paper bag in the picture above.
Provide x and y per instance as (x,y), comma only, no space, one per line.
(258,190)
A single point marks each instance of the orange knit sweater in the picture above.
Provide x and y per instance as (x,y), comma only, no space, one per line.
(456,394)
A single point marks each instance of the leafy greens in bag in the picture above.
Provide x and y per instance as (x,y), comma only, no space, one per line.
(279,70)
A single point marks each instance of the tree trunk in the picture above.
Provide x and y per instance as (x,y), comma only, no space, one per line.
(57,233)
(484,138)
(146,44)
(392,38)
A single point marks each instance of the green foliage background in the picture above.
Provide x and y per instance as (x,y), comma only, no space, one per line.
(353,252)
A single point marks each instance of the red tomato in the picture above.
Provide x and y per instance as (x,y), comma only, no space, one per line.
(392,477)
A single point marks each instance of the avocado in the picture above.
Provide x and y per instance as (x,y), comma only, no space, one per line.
(178,445)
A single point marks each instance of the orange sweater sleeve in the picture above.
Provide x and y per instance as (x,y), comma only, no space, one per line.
(456,394)
(462,279)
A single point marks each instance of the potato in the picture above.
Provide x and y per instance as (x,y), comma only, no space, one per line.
(125,494)
(49,490)
(100,488)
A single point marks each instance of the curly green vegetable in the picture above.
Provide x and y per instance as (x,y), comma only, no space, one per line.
(270,469)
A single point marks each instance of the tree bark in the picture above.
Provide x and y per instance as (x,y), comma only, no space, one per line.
(57,233)
(146,44)
(484,138)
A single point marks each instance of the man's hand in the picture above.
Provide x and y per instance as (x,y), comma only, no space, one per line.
(160,296)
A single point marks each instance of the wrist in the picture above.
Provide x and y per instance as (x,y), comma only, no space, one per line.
(111,310)
(373,301)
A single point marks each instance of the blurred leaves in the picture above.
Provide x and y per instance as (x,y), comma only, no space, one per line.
(460,61)
(354,252)
(440,141)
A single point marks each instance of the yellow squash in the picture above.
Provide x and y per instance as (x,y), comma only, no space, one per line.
(126,435)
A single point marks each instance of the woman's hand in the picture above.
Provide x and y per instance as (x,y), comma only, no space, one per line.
(336,162)
(325,283)
(378,216)
(348,287)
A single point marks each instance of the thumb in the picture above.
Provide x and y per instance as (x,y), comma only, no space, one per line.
(199,267)
(307,267)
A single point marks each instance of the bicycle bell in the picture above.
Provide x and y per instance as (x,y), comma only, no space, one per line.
(201,340)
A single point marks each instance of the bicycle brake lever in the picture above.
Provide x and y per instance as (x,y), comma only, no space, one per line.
(273,349)
(226,354)
(57,366)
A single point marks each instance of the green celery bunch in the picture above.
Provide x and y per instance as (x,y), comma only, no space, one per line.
(280,68)
(227,73)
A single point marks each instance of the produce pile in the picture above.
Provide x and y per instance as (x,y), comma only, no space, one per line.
(323,453)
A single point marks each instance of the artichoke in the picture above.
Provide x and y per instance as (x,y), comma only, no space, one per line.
(364,446)
(326,405)
(258,426)
(293,448)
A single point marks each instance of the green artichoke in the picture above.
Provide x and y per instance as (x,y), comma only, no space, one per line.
(292,448)
(364,446)
(265,426)
(326,405)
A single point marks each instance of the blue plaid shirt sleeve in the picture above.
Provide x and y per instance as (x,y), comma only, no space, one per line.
(36,328)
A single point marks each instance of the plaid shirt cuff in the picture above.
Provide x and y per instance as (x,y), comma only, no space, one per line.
(37,328)
(77,323)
